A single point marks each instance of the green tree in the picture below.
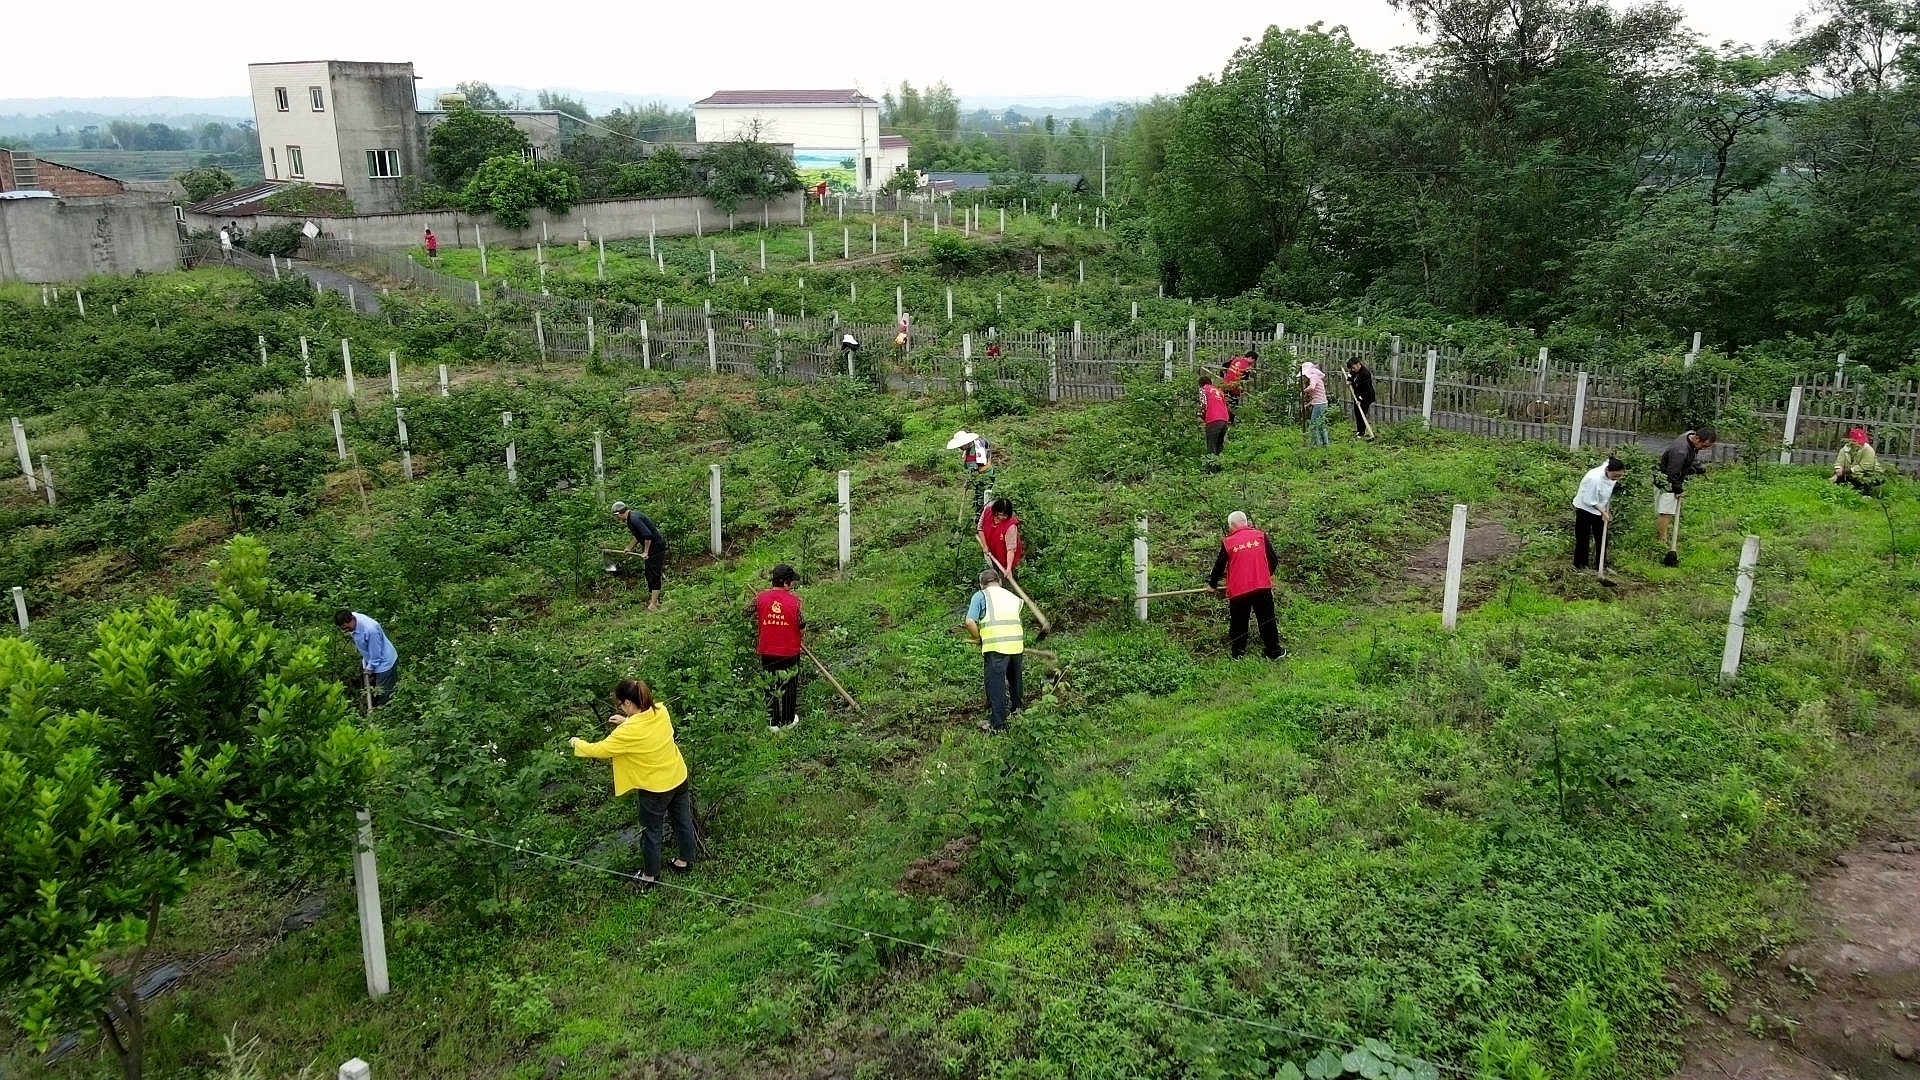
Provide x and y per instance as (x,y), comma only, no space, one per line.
(483,97)
(205,183)
(510,187)
(561,103)
(664,172)
(466,139)
(747,170)
(1254,177)
(213,728)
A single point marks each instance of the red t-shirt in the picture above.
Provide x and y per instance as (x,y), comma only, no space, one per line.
(995,535)
(1247,569)
(777,615)
(1213,404)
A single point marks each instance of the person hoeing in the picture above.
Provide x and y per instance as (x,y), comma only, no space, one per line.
(645,759)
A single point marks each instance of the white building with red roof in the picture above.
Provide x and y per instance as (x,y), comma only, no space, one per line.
(835,134)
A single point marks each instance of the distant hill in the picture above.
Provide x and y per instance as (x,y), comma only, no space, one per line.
(598,102)
(25,116)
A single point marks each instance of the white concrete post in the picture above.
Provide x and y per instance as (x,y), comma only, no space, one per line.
(1793,424)
(646,348)
(949,303)
(846,243)
(1840,372)
(589,337)
(1426,395)
(346,364)
(1456,554)
(763,254)
(406,444)
(20,607)
(1053,379)
(262,339)
(1737,615)
(476,294)
(713,509)
(443,381)
(1140,570)
(393,371)
(513,465)
(540,335)
(1039,266)
(356,1069)
(599,461)
(697,226)
(713,274)
(809,247)
(80,299)
(306,362)
(1003,221)
(339,437)
(274,265)
(846,518)
(899,302)
(1540,381)
(1166,364)
(653,223)
(905,242)
(1579,412)
(966,364)
(373,933)
(1193,340)
(353,304)
(713,350)
(873,228)
(603,257)
(26,456)
(1135,317)
(1083,271)
(46,479)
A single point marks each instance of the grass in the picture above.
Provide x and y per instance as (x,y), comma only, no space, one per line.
(1505,845)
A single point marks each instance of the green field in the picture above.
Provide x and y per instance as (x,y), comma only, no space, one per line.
(1519,849)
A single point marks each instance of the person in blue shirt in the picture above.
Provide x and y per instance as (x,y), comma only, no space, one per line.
(379,660)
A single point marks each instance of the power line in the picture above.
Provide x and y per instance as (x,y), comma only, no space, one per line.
(936,950)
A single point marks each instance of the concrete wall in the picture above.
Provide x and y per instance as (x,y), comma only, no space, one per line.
(68,239)
(299,126)
(834,131)
(373,109)
(614,219)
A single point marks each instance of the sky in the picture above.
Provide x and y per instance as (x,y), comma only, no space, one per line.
(985,48)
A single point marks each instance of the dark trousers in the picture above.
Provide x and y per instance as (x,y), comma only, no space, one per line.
(1216,442)
(384,683)
(1586,535)
(783,689)
(1363,417)
(655,808)
(656,566)
(1004,692)
(1259,604)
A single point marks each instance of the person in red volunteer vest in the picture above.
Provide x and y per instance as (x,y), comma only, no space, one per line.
(1238,376)
(777,619)
(1214,416)
(1247,561)
(1000,531)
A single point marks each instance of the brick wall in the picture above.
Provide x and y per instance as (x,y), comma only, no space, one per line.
(62,180)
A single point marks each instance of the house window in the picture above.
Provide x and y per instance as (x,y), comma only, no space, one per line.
(273,163)
(318,99)
(296,167)
(383,164)
(280,98)
(531,153)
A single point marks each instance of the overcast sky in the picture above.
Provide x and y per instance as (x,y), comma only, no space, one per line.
(985,48)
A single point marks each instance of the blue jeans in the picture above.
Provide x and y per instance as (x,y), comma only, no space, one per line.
(1317,425)
(1003,682)
(655,808)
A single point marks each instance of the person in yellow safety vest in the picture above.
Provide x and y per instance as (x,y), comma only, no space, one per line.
(993,620)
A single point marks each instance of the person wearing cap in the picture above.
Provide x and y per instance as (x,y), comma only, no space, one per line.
(647,760)
(976,457)
(993,621)
(1313,396)
(1677,462)
(1593,511)
(1856,464)
(777,625)
(1237,376)
(651,545)
(1246,562)
(1215,415)
(1360,382)
(849,346)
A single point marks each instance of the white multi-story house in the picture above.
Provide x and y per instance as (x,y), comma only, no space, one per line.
(835,134)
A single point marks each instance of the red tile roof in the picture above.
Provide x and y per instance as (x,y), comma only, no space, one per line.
(893,142)
(786,97)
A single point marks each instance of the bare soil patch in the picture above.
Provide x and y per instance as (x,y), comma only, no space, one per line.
(1485,543)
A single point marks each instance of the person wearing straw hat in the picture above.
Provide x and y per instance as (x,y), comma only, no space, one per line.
(1856,464)
(646,759)
(1593,511)
(976,456)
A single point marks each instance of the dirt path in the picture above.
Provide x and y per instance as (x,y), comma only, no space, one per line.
(1843,1004)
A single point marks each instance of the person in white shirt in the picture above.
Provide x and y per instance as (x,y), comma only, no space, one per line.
(1592,510)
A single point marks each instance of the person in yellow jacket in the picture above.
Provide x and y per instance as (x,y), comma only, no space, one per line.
(993,620)
(645,759)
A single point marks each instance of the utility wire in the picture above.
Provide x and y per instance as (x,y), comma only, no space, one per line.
(936,950)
